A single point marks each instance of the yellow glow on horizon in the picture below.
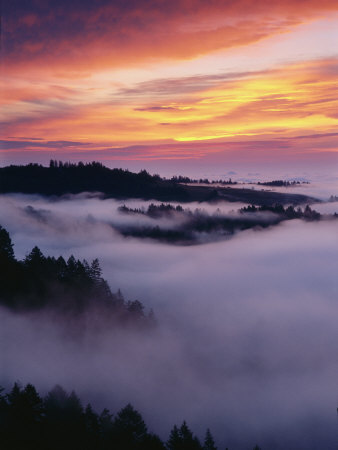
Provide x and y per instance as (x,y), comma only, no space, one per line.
(289,98)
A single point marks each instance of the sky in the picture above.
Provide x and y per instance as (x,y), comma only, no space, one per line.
(189,86)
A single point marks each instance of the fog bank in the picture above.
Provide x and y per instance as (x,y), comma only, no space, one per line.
(247,336)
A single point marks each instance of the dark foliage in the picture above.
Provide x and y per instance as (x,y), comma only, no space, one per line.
(71,286)
(59,420)
(183,439)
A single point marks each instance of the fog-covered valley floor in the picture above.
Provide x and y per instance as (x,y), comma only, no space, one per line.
(247,337)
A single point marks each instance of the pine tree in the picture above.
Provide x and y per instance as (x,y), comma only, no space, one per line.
(136,308)
(190,442)
(33,403)
(129,428)
(95,271)
(174,441)
(92,427)
(209,443)
(71,265)
(35,258)
(25,414)
(6,246)
(105,424)
(183,439)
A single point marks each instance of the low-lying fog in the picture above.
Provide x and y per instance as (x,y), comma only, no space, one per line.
(247,336)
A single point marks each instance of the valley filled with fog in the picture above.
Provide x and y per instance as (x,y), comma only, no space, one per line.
(246,335)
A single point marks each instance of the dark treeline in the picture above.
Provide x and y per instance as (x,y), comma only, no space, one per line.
(71,286)
(57,421)
(286,213)
(156,211)
(197,223)
(279,183)
(167,209)
(68,178)
(183,179)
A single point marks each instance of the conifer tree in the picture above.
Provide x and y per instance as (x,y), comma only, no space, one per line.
(35,258)
(6,246)
(129,428)
(174,440)
(209,443)
(95,271)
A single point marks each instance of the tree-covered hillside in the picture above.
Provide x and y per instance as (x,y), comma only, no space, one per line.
(66,178)
(71,286)
(198,226)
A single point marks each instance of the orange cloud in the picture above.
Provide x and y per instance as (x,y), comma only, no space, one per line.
(281,103)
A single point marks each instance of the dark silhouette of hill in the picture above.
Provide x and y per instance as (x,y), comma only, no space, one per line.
(59,179)
(66,178)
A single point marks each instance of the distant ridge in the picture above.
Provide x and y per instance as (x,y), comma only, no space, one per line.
(66,178)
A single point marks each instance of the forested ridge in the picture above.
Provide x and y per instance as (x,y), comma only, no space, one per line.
(68,178)
(73,286)
(194,226)
(58,420)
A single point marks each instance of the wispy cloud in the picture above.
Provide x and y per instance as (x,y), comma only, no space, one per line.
(39,143)
(287,100)
(126,33)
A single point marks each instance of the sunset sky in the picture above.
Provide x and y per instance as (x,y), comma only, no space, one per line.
(171,85)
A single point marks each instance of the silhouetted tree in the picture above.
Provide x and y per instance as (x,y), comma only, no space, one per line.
(92,427)
(25,416)
(129,429)
(136,308)
(209,443)
(190,442)
(95,271)
(65,420)
(6,246)
(34,259)
(183,439)
(174,441)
